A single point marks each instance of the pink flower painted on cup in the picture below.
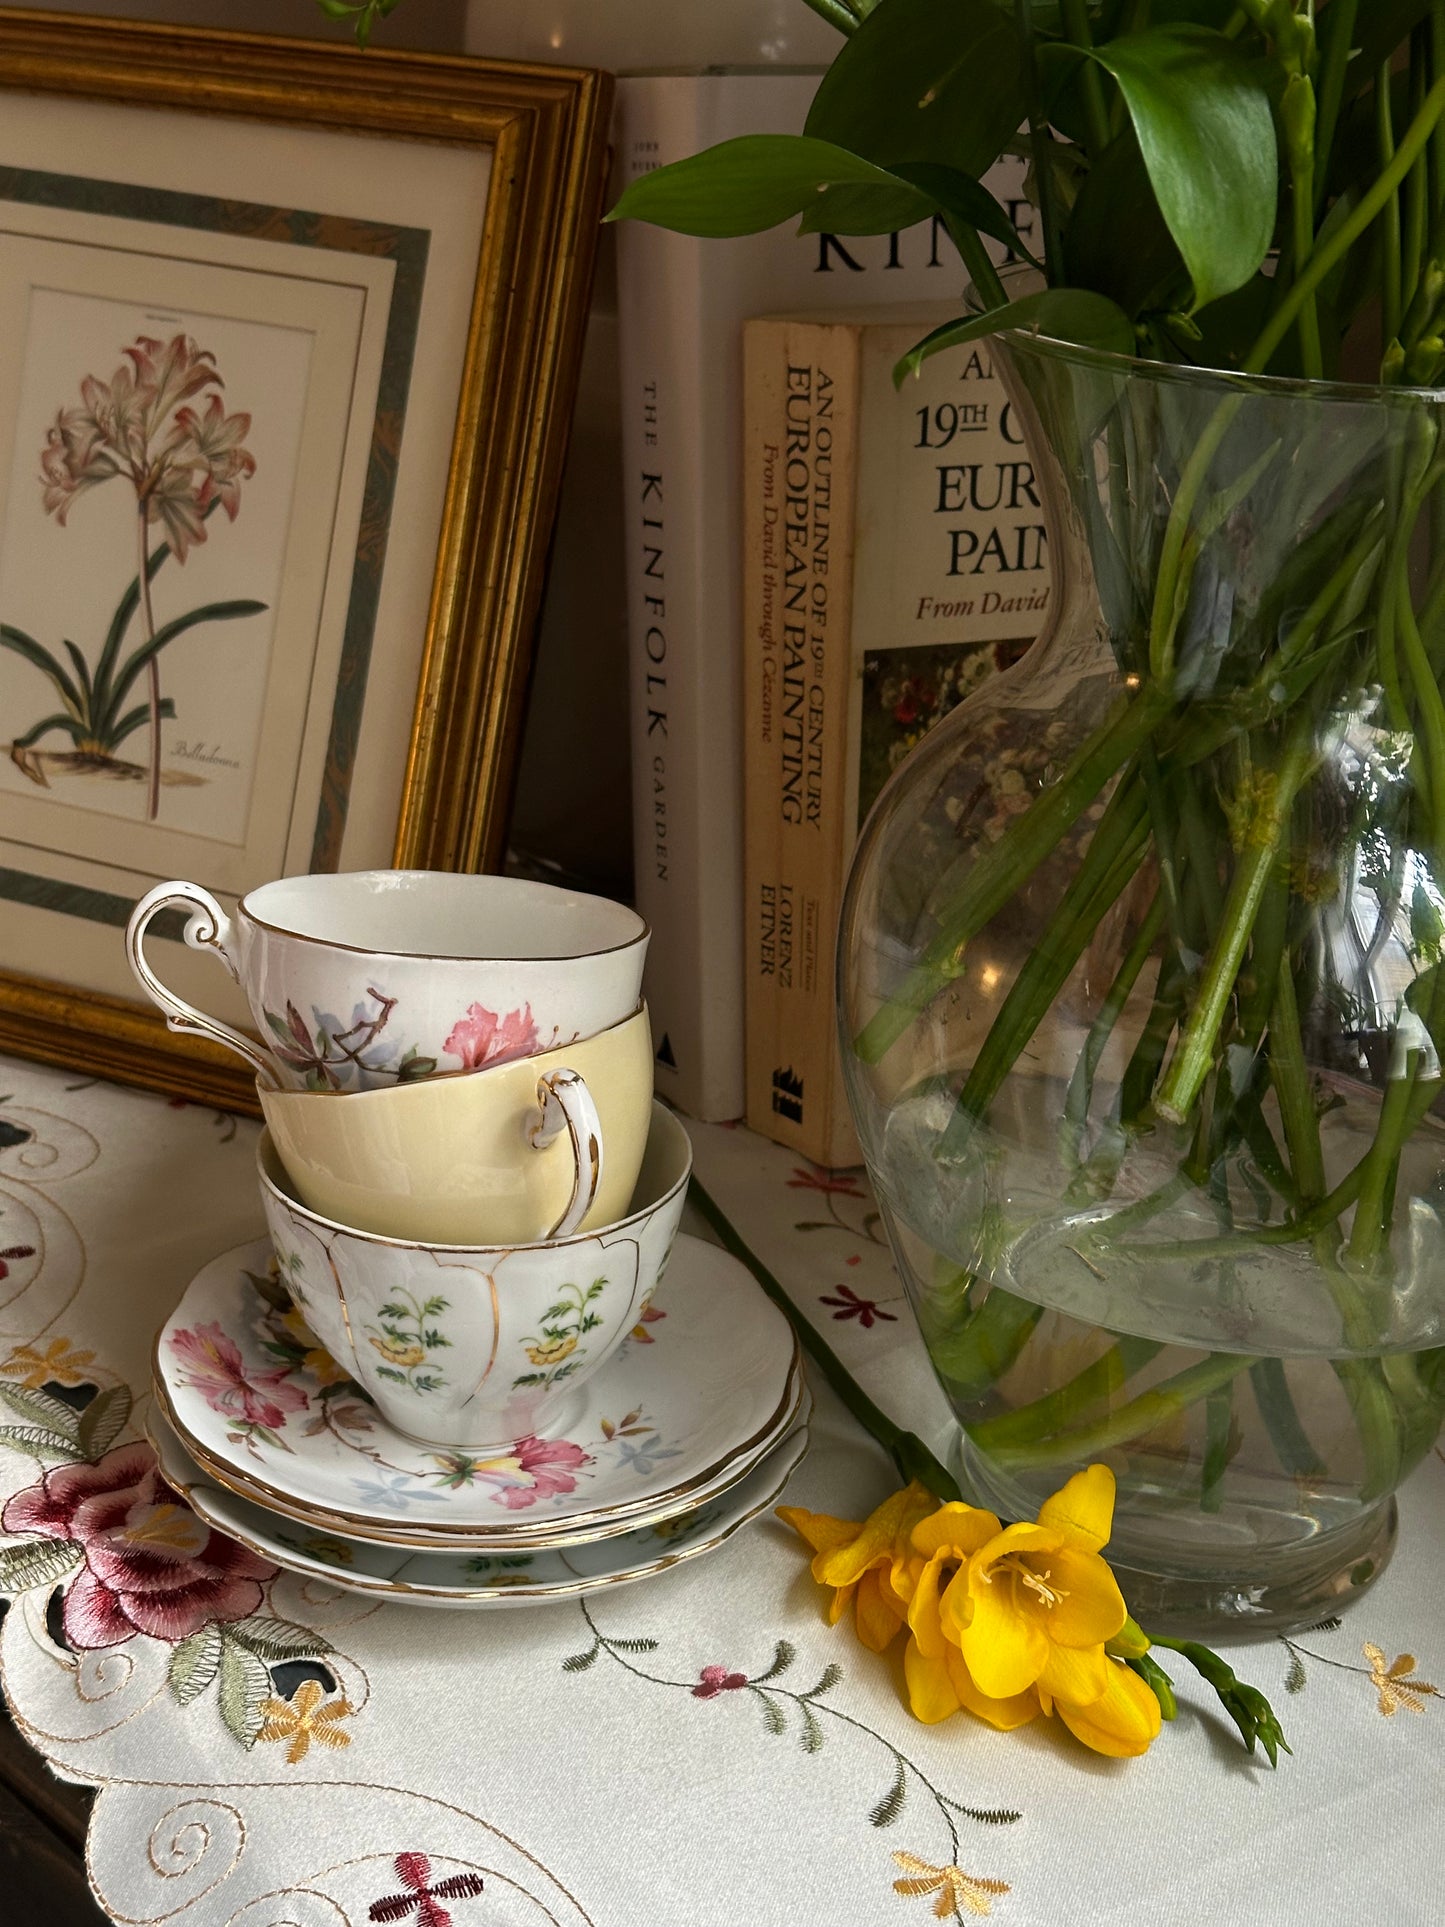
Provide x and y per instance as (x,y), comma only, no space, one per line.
(482,1037)
(212,1365)
(150,1565)
(548,1467)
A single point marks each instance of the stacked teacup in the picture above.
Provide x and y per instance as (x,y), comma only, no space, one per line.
(471,1196)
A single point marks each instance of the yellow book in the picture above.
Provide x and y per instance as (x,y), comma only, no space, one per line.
(895,556)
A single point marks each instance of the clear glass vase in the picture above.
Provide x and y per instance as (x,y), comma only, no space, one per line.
(1142,988)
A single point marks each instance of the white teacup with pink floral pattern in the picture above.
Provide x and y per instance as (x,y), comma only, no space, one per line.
(472,1346)
(361,979)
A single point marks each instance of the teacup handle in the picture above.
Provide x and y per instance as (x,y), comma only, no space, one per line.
(565,1104)
(207,928)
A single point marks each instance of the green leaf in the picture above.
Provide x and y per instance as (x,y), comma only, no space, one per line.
(168,633)
(38,1442)
(1062,314)
(891,1805)
(244,1684)
(774,1719)
(40,658)
(579,1662)
(866,210)
(960,194)
(102,1420)
(831,1675)
(36,1562)
(41,1409)
(134,719)
(73,728)
(1117,242)
(746,185)
(783,1656)
(120,621)
(1200,107)
(277,1639)
(195,1663)
(925,80)
(811,1737)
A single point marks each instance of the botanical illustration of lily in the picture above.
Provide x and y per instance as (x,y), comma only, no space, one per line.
(161,425)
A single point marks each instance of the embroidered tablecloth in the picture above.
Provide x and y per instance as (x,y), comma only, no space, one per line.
(700,1750)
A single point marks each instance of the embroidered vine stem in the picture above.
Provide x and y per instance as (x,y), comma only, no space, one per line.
(767,1692)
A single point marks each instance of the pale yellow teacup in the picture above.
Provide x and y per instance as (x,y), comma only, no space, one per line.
(539,1148)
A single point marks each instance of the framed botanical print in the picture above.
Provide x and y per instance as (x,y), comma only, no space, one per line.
(288,341)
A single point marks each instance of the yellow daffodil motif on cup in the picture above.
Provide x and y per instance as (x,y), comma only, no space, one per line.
(1005,1621)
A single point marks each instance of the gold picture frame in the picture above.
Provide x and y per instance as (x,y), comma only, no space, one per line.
(317,138)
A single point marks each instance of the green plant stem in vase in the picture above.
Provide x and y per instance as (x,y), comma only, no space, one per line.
(1145,1065)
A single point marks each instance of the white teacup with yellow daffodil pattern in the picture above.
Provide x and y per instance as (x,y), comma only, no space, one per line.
(476,1346)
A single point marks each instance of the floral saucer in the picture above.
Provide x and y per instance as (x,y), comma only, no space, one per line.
(479,1581)
(709,1380)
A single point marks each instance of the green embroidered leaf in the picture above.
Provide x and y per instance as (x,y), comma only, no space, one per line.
(774,1719)
(811,1736)
(36,1562)
(277,1638)
(633,1645)
(1330,1625)
(579,1662)
(244,1684)
(39,1408)
(831,1675)
(38,1442)
(986,1816)
(195,1663)
(388,1371)
(783,1657)
(1296,1678)
(891,1805)
(103,1420)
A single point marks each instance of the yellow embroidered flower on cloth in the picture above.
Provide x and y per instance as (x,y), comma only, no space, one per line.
(1006,1621)
(59,1364)
(1395,1682)
(956,1890)
(303,1718)
(864,1563)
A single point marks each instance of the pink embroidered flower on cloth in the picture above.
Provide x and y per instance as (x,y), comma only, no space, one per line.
(483,1037)
(717,1679)
(151,1566)
(546,1465)
(214,1367)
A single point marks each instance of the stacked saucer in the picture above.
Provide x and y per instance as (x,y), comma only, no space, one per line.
(689,1429)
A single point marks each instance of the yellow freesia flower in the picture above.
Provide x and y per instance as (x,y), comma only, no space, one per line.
(864,1563)
(1038,1602)
(938,1676)
(1005,1621)
(1121,1722)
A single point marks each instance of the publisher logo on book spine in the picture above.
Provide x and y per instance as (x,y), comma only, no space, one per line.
(788,1095)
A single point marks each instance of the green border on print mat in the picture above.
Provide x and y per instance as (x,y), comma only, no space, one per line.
(289,227)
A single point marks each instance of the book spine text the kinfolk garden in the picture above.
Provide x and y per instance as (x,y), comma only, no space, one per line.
(681,304)
(895,558)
